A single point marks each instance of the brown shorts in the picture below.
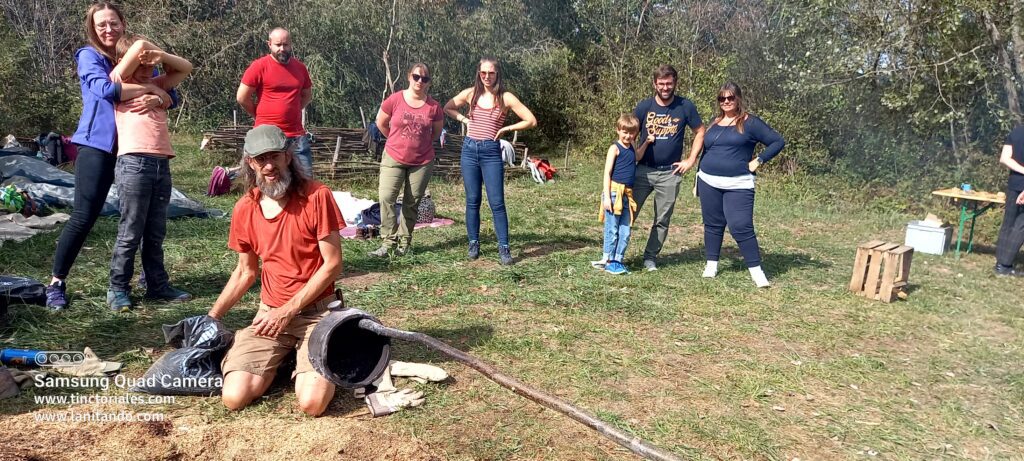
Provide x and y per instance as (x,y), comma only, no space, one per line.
(261,355)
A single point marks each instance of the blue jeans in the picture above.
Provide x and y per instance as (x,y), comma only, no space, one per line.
(733,208)
(94,173)
(616,232)
(482,166)
(144,191)
(303,149)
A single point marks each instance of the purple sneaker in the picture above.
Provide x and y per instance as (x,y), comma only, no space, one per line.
(56,296)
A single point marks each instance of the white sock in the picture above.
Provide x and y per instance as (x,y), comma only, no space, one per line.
(710,269)
(759,278)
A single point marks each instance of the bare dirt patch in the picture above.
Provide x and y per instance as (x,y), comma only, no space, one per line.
(357,280)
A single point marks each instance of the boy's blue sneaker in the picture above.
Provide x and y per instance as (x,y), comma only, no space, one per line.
(118,301)
(615,268)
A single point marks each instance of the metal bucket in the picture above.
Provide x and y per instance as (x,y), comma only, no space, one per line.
(345,354)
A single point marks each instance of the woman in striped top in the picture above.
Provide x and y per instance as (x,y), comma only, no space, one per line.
(481,163)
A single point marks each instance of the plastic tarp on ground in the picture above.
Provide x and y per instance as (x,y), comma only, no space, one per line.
(50,185)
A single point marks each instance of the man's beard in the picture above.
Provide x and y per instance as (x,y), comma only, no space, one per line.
(276,189)
(282,56)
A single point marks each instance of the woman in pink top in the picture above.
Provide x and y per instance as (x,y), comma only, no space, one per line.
(411,120)
(481,163)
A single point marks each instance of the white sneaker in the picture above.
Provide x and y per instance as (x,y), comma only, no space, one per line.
(649,265)
(710,269)
(760,279)
(599,264)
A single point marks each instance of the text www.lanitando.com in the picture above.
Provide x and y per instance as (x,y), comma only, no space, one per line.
(97,417)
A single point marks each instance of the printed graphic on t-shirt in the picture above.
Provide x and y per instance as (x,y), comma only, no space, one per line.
(413,125)
(662,126)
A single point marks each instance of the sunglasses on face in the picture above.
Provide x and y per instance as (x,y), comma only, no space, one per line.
(726,98)
(484,73)
(420,78)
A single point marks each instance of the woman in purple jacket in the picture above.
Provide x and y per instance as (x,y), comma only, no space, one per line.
(96,137)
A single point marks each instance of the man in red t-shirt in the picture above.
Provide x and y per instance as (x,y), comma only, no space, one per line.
(291,224)
(274,90)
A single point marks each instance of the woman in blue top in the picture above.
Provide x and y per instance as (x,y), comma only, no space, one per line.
(725,180)
(96,137)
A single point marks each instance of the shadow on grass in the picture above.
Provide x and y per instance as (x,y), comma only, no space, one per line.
(464,339)
(538,246)
(774,263)
(203,284)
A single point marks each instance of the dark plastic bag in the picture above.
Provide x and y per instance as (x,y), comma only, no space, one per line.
(193,368)
(22,290)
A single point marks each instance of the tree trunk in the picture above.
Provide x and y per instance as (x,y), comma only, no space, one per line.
(1018,44)
(1008,65)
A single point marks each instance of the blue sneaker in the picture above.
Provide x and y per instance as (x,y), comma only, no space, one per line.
(118,301)
(615,268)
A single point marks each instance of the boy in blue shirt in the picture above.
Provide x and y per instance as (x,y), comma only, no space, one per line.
(617,205)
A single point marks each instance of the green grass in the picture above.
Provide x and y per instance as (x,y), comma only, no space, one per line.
(709,369)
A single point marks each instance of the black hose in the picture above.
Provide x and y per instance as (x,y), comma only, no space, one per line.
(634,444)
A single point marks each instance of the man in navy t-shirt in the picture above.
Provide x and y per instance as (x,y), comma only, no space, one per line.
(664,116)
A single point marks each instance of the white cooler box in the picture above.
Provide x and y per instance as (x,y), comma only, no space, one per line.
(928,239)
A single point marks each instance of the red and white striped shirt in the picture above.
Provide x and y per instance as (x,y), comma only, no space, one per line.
(484,123)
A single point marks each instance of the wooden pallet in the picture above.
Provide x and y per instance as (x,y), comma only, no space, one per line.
(881,270)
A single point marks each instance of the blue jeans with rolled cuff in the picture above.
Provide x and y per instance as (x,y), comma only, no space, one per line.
(144,192)
(482,166)
(616,232)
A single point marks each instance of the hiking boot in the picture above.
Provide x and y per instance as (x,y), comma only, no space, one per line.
(505,253)
(474,250)
(1001,270)
(118,301)
(403,250)
(56,295)
(169,294)
(650,265)
(615,268)
(381,252)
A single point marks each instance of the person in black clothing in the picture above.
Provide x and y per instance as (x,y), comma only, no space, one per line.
(725,179)
(1011,234)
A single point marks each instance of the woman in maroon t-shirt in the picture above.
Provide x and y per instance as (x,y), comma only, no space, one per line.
(411,120)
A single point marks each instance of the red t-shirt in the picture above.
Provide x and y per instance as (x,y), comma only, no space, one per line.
(411,140)
(279,91)
(288,244)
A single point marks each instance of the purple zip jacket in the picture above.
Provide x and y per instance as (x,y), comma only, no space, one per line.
(96,127)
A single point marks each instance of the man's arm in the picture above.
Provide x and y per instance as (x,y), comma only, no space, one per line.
(241,280)
(275,321)
(244,98)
